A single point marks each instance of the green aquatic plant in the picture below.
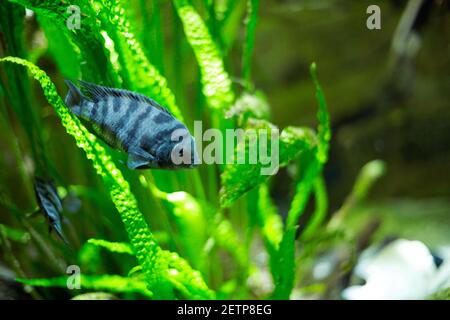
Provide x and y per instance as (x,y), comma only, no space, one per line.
(15,234)
(110,283)
(236,180)
(90,42)
(317,159)
(154,262)
(251,20)
(368,175)
(186,234)
(284,274)
(216,84)
(139,73)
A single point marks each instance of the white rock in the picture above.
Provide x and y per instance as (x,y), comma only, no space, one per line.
(402,270)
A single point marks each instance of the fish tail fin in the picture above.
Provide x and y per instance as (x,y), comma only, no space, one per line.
(60,234)
(74,97)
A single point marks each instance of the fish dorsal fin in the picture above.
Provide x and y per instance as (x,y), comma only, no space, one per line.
(74,95)
(97,92)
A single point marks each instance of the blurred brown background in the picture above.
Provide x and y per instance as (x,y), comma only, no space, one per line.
(384,103)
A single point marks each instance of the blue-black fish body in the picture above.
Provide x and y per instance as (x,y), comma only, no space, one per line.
(50,205)
(132,123)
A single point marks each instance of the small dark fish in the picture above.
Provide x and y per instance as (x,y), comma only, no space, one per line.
(150,135)
(50,205)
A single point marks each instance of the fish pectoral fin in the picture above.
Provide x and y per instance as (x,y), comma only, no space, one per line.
(139,159)
(136,162)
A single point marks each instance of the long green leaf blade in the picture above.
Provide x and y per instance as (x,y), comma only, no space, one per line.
(143,76)
(216,84)
(251,20)
(112,283)
(318,158)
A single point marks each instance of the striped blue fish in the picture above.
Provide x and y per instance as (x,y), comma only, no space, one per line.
(133,123)
(50,205)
